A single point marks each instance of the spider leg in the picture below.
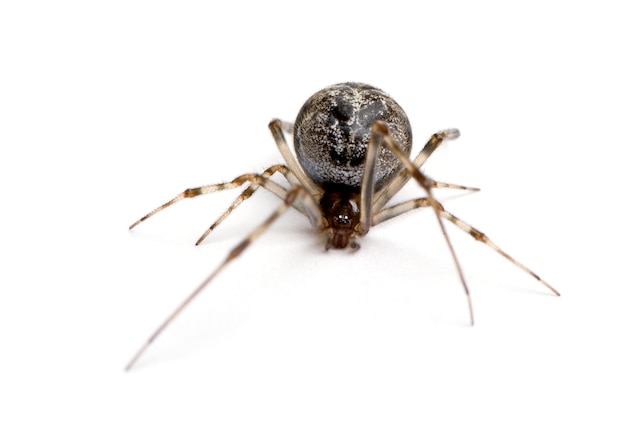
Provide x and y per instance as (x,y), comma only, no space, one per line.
(433,143)
(248,192)
(403,207)
(401,179)
(289,200)
(278,129)
(253,178)
(452,186)
(380,135)
(481,237)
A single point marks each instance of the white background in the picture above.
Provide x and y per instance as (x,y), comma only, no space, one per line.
(108,110)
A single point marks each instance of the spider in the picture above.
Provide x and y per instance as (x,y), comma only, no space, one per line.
(352,143)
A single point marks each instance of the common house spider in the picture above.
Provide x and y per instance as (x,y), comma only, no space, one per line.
(352,144)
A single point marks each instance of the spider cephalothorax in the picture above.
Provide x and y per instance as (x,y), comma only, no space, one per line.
(341,212)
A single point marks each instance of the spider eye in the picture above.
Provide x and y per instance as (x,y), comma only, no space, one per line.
(342,219)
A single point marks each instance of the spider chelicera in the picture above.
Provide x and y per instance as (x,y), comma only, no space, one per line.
(352,144)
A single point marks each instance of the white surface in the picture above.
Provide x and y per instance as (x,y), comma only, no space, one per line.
(107,111)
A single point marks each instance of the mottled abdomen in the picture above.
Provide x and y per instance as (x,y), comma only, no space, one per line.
(332,131)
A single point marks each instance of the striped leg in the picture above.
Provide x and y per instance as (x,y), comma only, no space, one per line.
(384,195)
(253,179)
(291,197)
(380,136)
(452,186)
(247,193)
(402,208)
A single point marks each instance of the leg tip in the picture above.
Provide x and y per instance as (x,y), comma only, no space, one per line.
(452,133)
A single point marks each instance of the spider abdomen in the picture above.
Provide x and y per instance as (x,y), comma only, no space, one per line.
(332,132)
